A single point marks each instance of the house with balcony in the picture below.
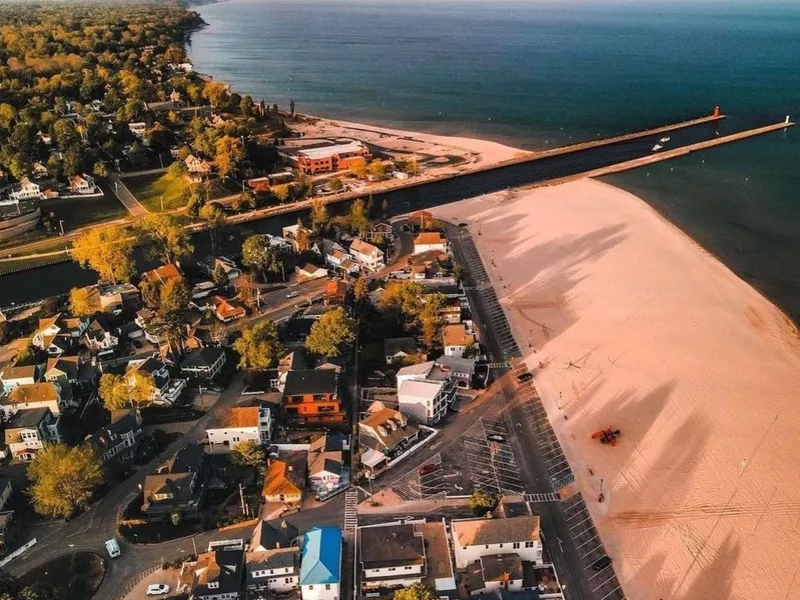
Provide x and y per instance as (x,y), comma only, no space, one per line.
(165,389)
(240,424)
(311,398)
(203,363)
(118,440)
(59,333)
(272,561)
(385,434)
(176,486)
(28,431)
(424,392)
(197,166)
(13,376)
(47,394)
(390,556)
(26,190)
(367,256)
(321,564)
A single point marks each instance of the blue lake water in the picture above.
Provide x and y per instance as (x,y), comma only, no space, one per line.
(536,74)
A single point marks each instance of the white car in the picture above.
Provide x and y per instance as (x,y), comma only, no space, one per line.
(292,294)
(157,589)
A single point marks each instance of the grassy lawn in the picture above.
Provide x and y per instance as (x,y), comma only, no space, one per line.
(76,575)
(80,212)
(149,189)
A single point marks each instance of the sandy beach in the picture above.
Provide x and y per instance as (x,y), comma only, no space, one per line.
(635,326)
(475,152)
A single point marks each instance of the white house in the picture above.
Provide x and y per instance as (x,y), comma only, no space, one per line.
(368,256)
(280,244)
(309,271)
(425,401)
(477,538)
(456,340)
(27,190)
(272,560)
(59,333)
(12,377)
(28,431)
(82,184)
(239,424)
(138,129)
(203,363)
(391,556)
(321,564)
(50,395)
(336,257)
(197,165)
(429,240)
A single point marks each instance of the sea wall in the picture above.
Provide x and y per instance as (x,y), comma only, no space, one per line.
(10,228)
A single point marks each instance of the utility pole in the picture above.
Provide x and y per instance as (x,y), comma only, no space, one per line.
(194,545)
(162,203)
(241,497)
(61,225)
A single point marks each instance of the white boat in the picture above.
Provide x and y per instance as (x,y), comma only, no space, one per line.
(663,140)
(657,147)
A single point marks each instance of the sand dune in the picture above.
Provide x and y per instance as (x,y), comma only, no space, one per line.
(636,326)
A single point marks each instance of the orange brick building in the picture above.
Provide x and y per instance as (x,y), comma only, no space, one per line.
(326,159)
(312,398)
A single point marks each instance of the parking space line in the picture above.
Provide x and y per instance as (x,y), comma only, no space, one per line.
(605,582)
(594,537)
(595,549)
(598,573)
(611,592)
(580,523)
(577,514)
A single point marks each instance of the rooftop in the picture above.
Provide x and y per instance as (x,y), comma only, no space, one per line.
(390,546)
(392,346)
(423,390)
(321,556)
(429,238)
(34,392)
(202,357)
(456,335)
(501,567)
(268,537)
(237,417)
(310,382)
(328,151)
(285,476)
(475,532)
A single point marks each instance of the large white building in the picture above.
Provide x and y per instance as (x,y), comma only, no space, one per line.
(368,256)
(424,392)
(477,538)
(240,424)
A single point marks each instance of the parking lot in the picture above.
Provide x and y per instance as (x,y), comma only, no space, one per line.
(602,581)
(424,483)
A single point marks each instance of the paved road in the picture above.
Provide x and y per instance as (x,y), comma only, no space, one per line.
(125,196)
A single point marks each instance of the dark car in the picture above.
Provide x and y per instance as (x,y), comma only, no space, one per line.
(425,469)
(524,377)
(601,563)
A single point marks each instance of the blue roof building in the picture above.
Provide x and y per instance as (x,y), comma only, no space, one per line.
(321,562)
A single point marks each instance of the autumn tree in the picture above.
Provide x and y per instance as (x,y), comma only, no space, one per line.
(376,170)
(123,391)
(482,501)
(107,250)
(63,479)
(320,219)
(214,217)
(331,333)
(174,296)
(404,298)
(259,255)
(259,346)
(80,302)
(167,239)
(219,276)
(229,153)
(248,453)
(359,217)
(280,192)
(431,319)
(416,591)
(215,92)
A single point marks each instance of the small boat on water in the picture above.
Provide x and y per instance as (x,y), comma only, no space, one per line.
(663,140)
(657,147)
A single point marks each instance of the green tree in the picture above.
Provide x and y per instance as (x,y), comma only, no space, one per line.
(481,501)
(63,479)
(176,518)
(166,238)
(259,346)
(331,333)
(107,250)
(100,169)
(257,253)
(416,591)
(248,454)
(229,152)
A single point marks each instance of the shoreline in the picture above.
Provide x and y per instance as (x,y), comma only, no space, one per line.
(672,347)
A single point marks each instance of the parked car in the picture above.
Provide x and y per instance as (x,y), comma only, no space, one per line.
(524,377)
(601,563)
(425,469)
(495,437)
(157,589)
(112,547)
(292,294)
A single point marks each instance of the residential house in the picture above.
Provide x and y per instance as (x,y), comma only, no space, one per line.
(63,370)
(228,266)
(380,231)
(460,370)
(432,264)
(100,339)
(457,340)
(203,363)
(429,240)
(312,398)
(239,424)
(165,390)
(119,439)
(227,310)
(285,479)
(391,556)
(477,538)
(115,297)
(216,575)
(425,401)
(197,165)
(368,256)
(297,236)
(397,350)
(336,257)
(384,435)
(139,128)
(82,184)
(163,273)
(53,396)
(59,333)
(272,561)
(43,138)
(308,272)
(279,244)
(39,170)
(452,311)
(494,574)
(26,190)
(326,467)
(326,158)
(13,376)
(258,184)
(294,361)
(28,431)
(321,564)
(336,364)
(176,486)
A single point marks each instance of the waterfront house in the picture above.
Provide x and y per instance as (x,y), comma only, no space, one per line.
(429,240)
(457,340)
(239,424)
(321,564)
(285,479)
(26,190)
(119,439)
(228,266)
(176,485)
(382,231)
(298,237)
(327,157)
(203,363)
(28,431)
(197,165)
(311,398)
(368,256)
(39,170)
(163,273)
(82,184)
